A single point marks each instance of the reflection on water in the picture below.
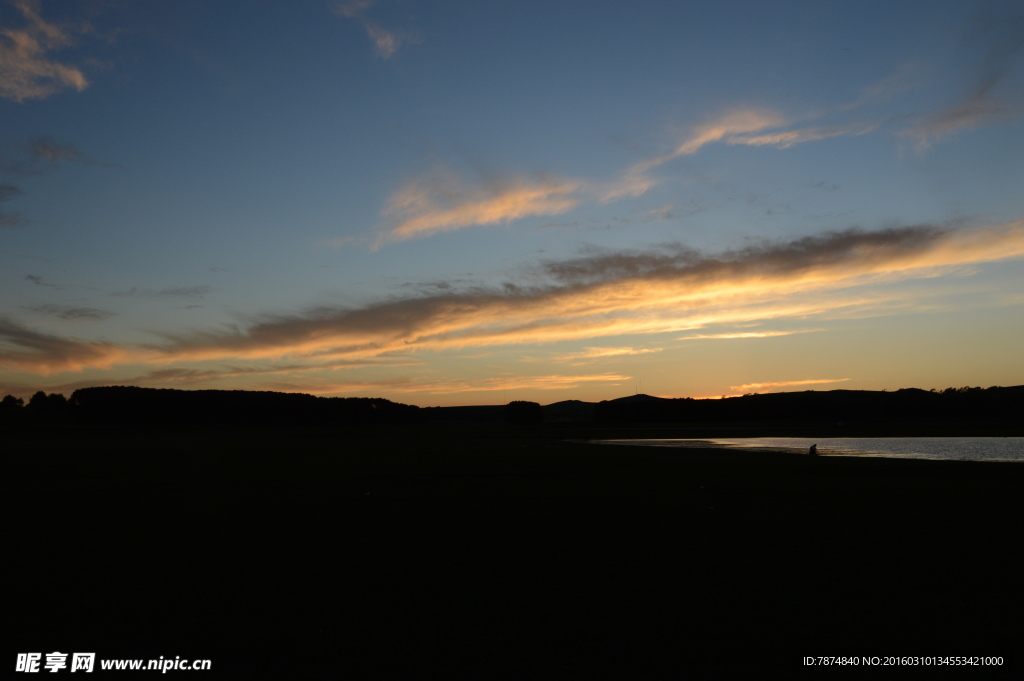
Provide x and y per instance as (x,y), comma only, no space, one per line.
(948,448)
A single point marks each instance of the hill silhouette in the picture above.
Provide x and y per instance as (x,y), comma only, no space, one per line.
(124,405)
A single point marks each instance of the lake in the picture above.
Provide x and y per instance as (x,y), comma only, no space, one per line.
(943,448)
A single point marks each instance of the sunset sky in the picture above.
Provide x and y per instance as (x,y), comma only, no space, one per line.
(475,202)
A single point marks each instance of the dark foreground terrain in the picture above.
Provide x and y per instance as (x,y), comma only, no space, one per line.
(425,553)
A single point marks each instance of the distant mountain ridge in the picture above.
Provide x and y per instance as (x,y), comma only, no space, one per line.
(134,405)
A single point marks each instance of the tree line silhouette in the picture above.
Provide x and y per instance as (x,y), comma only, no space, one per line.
(128,405)
(836,406)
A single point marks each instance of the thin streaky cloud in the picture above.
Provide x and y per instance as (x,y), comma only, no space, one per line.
(27,70)
(750,126)
(195,376)
(405,385)
(745,334)
(629,184)
(441,386)
(71,312)
(736,122)
(442,203)
(784,140)
(550,382)
(598,353)
(976,112)
(185,292)
(40,281)
(785,384)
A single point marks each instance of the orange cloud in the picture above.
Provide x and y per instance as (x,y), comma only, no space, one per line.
(442,202)
(22,348)
(598,353)
(444,387)
(26,71)
(784,140)
(552,382)
(668,290)
(745,334)
(735,122)
(782,384)
(430,206)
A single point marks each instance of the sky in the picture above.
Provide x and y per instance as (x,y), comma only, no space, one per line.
(445,203)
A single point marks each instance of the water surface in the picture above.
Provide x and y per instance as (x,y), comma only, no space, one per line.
(943,448)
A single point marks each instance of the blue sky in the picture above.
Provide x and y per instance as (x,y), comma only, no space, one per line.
(459,203)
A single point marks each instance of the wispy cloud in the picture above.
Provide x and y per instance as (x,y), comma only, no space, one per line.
(785,384)
(969,115)
(22,348)
(737,121)
(906,76)
(199,376)
(386,42)
(725,127)
(441,203)
(26,69)
(600,353)
(40,281)
(751,127)
(185,292)
(49,149)
(998,38)
(296,380)
(550,382)
(789,138)
(71,312)
(745,334)
(633,182)
(8,192)
(11,220)
(44,153)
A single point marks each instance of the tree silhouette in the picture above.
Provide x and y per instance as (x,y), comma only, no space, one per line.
(522,413)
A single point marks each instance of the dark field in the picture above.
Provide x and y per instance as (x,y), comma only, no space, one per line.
(501,554)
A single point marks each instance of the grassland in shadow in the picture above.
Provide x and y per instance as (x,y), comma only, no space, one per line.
(443,553)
